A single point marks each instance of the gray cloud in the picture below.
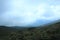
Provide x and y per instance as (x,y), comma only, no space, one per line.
(23,13)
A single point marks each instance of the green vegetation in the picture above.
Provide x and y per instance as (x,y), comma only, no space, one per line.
(47,32)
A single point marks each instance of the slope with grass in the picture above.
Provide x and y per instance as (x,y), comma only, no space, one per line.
(46,32)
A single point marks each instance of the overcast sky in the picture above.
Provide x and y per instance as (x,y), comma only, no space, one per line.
(28,12)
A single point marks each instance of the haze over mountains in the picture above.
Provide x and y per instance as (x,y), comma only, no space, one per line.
(45,32)
(29,20)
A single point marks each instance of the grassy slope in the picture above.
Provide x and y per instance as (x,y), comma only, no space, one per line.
(47,32)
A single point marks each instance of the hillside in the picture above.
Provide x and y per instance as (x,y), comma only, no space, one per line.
(47,32)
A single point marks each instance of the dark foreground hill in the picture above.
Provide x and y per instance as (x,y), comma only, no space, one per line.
(47,32)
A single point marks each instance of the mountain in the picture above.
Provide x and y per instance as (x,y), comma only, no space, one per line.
(49,31)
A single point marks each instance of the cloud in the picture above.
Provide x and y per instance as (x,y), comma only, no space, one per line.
(21,13)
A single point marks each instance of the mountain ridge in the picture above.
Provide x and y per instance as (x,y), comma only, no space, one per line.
(45,32)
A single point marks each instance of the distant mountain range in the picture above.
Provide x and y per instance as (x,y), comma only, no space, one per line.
(49,31)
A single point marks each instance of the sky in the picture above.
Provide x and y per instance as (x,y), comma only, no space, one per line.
(28,12)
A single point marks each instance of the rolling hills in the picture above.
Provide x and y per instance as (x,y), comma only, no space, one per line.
(46,32)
